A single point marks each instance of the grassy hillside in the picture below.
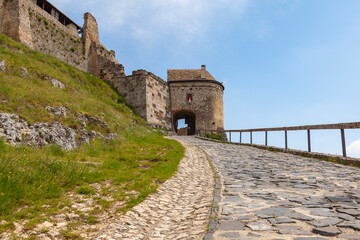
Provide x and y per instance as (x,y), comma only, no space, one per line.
(38,184)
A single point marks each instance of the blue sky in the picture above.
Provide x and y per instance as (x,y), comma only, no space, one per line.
(283,62)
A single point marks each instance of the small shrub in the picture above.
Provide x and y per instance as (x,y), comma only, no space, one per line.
(214,136)
(46,22)
(57,151)
(121,99)
(92,219)
(73,49)
(86,191)
(39,19)
(2,145)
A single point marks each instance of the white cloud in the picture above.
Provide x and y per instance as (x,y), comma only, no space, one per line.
(151,20)
(353,149)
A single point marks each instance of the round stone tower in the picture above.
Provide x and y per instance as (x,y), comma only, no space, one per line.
(198,98)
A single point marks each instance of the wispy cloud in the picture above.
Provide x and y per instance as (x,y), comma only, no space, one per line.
(353,149)
(151,20)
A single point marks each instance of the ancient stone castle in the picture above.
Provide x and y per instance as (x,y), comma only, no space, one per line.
(193,95)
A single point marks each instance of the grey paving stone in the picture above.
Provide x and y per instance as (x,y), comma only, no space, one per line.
(349,236)
(300,216)
(234,199)
(273,211)
(251,234)
(346,217)
(310,238)
(231,225)
(323,212)
(281,220)
(355,226)
(326,222)
(327,231)
(247,217)
(230,235)
(352,212)
(263,216)
(259,226)
(292,230)
(339,198)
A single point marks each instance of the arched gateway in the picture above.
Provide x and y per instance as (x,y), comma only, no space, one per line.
(190,119)
(197,98)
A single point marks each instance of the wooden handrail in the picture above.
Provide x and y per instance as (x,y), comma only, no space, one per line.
(350,125)
(339,126)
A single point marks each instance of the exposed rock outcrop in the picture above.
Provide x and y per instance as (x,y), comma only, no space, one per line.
(84,118)
(17,131)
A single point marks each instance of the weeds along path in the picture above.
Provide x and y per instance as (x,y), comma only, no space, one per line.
(179,210)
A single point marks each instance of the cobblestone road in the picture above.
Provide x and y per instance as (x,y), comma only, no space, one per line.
(267,195)
(179,210)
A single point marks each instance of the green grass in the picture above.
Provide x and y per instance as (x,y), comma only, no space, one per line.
(33,177)
(214,136)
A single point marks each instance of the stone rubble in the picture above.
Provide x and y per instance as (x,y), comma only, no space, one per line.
(55,82)
(24,72)
(2,66)
(84,119)
(269,195)
(57,111)
(179,210)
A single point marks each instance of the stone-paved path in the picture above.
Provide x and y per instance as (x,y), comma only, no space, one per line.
(267,195)
(179,210)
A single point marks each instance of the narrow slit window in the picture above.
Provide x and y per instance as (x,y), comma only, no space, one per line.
(189,98)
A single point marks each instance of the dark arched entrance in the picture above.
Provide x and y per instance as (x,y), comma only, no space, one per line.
(189,118)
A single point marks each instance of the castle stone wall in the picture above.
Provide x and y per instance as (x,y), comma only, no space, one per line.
(51,37)
(158,102)
(146,93)
(133,88)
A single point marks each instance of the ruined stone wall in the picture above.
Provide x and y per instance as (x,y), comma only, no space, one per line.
(9,18)
(100,59)
(207,102)
(26,22)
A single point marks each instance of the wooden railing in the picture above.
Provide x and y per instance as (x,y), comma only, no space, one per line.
(308,128)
